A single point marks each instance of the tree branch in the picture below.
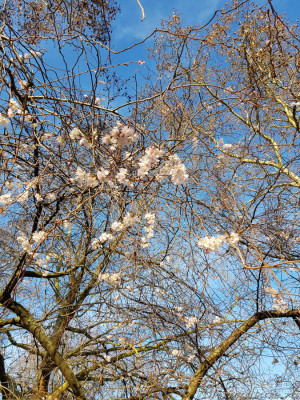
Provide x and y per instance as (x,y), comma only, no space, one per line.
(227,343)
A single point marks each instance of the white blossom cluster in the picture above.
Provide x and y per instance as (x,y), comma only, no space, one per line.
(270,290)
(295,104)
(26,244)
(129,220)
(117,226)
(76,134)
(279,304)
(32,53)
(4,121)
(42,262)
(38,236)
(176,353)
(227,146)
(113,279)
(23,84)
(150,219)
(21,195)
(122,177)
(27,56)
(175,169)
(13,106)
(85,178)
(151,157)
(190,322)
(38,198)
(191,358)
(84,142)
(102,175)
(104,237)
(119,136)
(215,242)
(5,199)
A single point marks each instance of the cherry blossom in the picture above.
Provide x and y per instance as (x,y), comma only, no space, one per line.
(102,175)
(151,157)
(24,84)
(38,197)
(84,178)
(227,146)
(38,236)
(190,322)
(84,142)
(35,53)
(215,242)
(5,199)
(26,246)
(129,220)
(119,136)
(122,177)
(75,134)
(175,169)
(117,226)
(178,174)
(3,121)
(113,279)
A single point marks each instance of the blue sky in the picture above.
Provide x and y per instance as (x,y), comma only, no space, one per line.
(128,27)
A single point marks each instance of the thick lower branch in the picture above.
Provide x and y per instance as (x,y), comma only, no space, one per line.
(28,322)
(4,380)
(227,343)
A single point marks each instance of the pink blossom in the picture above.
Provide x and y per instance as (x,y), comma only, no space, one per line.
(151,158)
(122,177)
(119,136)
(102,175)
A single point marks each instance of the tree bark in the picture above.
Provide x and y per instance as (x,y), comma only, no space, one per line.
(227,343)
(4,380)
(28,322)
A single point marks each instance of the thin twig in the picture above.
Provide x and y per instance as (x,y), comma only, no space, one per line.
(143,11)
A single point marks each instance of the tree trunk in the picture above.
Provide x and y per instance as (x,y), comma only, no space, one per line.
(4,380)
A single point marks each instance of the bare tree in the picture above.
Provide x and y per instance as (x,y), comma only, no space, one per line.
(153,254)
